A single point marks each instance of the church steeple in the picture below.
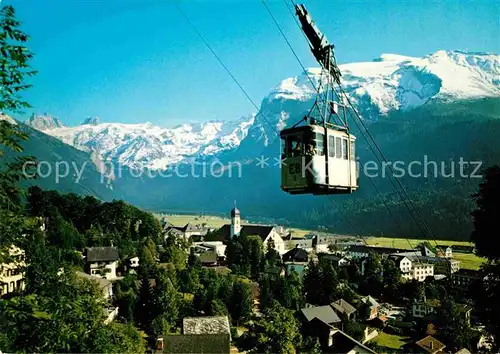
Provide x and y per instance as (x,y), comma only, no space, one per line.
(235,221)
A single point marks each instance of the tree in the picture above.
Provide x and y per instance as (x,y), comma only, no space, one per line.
(312,277)
(486,215)
(14,64)
(454,326)
(290,292)
(266,296)
(240,306)
(329,282)
(66,320)
(277,331)
(255,255)
(391,279)
(485,220)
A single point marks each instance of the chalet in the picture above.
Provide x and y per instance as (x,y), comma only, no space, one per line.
(101,261)
(296,255)
(211,334)
(188,231)
(336,260)
(11,272)
(344,308)
(268,234)
(325,314)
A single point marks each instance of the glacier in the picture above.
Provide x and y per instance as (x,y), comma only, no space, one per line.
(391,82)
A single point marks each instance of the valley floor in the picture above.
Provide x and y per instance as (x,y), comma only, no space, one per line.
(468,260)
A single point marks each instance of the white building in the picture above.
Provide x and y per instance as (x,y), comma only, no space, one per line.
(11,275)
(413,269)
(101,261)
(268,234)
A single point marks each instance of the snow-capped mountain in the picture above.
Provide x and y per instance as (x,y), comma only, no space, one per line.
(148,146)
(388,83)
(44,122)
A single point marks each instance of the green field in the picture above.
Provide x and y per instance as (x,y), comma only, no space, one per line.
(405,243)
(390,340)
(468,260)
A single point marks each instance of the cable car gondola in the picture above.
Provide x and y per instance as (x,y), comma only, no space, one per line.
(319,157)
(318,160)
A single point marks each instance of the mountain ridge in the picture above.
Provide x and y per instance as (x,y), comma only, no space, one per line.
(391,82)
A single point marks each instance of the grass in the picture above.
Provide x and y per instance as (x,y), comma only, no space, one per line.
(392,341)
(469,260)
(403,243)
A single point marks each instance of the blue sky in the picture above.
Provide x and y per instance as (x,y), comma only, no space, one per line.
(134,61)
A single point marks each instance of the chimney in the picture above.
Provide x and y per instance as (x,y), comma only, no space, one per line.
(431,344)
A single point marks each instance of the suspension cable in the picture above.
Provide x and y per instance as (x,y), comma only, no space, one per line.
(224,66)
(425,230)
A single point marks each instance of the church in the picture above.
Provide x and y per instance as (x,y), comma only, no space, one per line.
(266,232)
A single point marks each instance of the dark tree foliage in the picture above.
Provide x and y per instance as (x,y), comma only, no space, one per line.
(486,223)
(487,215)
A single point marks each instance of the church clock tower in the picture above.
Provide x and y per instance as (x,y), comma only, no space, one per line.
(235,221)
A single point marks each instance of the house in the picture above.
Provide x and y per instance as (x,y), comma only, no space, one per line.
(106,288)
(341,343)
(370,307)
(101,261)
(344,308)
(104,284)
(325,314)
(210,334)
(336,260)
(292,242)
(208,259)
(296,255)
(464,278)
(363,251)
(217,247)
(268,234)
(411,267)
(424,307)
(188,231)
(429,345)
(420,271)
(11,272)
(442,265)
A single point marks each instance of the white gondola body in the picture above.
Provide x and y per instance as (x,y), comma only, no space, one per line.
(318,160)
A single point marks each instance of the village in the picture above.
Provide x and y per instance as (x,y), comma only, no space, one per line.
(366,320)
